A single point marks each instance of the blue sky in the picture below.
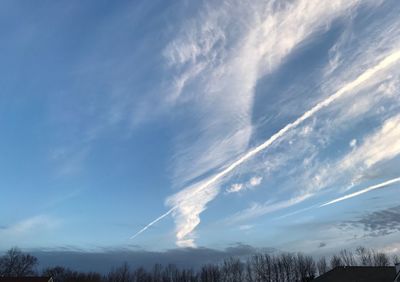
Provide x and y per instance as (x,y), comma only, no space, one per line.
(156,125)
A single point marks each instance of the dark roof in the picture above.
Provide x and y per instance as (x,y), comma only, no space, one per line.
(25,279)
(359,274)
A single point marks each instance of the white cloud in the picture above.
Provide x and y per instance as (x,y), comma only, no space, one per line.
(379,146)
(188,204)
(236,187)
(28,225)
(223,90)
(189,220)
(229,77)
(246,227)
(390,88)
(239,187)
(378,97)
(391,248)
(353,143)
(367,154)
(255,181)
(218,70)
(383,145)
(24,230)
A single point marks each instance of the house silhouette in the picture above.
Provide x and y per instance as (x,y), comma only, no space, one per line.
(26,279)
(359,274)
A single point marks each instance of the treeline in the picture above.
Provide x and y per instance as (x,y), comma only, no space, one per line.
(283,267)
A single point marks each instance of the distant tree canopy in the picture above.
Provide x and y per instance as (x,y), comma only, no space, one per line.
(15,263)
(265,267)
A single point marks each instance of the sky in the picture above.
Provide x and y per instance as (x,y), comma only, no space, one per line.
(164,126)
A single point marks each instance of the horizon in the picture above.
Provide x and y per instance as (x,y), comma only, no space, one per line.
(155,127)
(107,262)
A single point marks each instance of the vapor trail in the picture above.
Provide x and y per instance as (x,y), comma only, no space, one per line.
(365,190)
(152,223)
(368,189)
(386,62)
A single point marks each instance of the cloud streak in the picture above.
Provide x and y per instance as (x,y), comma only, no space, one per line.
(366,190)
(215,75)
(365,76)
(386,62)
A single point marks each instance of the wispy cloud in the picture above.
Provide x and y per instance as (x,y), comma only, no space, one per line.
(238,187)
(189,203)
(380,146)
(246,227)
(193,217)
(257,210)
(224,67)
(370,152)
(224,76)
(27,225)
(25,229)
(223,70)
(220,70)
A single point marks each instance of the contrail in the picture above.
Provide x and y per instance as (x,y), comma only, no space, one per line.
(365,190)
(368,189)
(386,62)
(152,223)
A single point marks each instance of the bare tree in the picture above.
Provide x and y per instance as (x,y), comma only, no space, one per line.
(15,263)
(210,273)
(157,272)
(284,267)
(93,277)
(305,267)
(249,275)
(322,266)
(58,273)
(120,274)
(261,267)
(170,273)
(288,266)
(62,274)
(141,275)
(336,261)
(365,256)
(347,258)
(381,259)
(232,270)
(395,259)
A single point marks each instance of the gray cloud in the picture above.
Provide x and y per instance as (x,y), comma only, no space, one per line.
(322,244)
(378,223)
(105,260)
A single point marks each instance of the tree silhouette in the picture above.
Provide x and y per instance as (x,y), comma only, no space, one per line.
(15,263)
(281,267)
